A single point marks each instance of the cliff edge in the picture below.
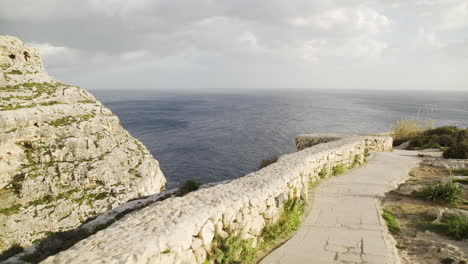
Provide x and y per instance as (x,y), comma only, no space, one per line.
(63,156)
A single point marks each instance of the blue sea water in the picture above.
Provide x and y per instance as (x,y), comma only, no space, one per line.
(213,137)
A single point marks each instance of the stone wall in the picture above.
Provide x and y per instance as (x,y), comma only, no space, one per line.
(181,229)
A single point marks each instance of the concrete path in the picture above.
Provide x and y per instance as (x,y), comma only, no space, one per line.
(344,224)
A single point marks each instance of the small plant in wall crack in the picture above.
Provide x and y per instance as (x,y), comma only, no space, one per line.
(338,169)
(323,173)
(235,250)
(232,250)
(289,221)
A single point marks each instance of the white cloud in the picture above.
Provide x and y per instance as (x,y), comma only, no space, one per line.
(134,55)
(206,36)
(359,19)
(56,56)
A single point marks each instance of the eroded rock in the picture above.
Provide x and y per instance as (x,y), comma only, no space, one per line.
(63,156)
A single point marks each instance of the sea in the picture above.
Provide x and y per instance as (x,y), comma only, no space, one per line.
(210,137)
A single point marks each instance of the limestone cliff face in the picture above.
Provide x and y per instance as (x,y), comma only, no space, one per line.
(63,156)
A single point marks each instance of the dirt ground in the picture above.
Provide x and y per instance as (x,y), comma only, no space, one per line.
(416,244)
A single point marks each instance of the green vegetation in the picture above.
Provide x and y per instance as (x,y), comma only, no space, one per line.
(453,225)
(407,129)
(288,222)
(47,88)
(188,186)
(452,140)
(458,151)
(15,72)
(14,209)
(323,173)
(391,222)
(338,169)
(10,252)
(235,250)
(462,181)
(366,153)
(356,161)
(70,120)
(460,172)
(448,192)
(87,101)
(268,161)
(232,250)
(9,107)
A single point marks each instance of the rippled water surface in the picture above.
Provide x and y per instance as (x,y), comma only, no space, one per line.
(213,137)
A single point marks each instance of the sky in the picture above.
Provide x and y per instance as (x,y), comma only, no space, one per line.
(247,44)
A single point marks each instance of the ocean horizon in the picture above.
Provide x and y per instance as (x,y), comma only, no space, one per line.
(211,137)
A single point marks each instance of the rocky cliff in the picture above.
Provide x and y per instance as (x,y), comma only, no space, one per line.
(63,156)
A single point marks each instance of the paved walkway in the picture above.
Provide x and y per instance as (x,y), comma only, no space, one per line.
(344,224)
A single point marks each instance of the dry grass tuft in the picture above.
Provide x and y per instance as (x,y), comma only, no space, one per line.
(406,129)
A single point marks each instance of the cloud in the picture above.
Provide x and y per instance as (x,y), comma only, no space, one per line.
(57,56)
(360,19)
(291,39)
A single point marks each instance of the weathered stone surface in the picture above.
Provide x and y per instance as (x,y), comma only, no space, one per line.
(152,234)
(63,156)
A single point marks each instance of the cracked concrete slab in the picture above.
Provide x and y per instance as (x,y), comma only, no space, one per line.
(344,224)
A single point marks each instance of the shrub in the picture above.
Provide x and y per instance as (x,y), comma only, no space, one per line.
(458,151)
(453,225)
(338,169)
(449,192)
(391,222)
(268,161)
(406,129)
(188,186)
(442,137)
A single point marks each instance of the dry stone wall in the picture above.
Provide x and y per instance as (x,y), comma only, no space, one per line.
(63,156)
(181,230)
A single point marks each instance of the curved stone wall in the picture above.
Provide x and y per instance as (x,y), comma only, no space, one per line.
(181,229)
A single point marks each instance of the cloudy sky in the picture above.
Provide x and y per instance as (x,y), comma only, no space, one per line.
(247,44)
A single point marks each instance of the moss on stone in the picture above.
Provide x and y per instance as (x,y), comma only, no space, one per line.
(15,72)
(68,120)
(14,209)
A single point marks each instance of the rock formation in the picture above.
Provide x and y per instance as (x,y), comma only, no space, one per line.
(63,156)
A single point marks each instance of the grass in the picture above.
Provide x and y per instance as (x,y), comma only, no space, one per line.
(391,222)
(188,186)
(447,192)
(407,129)
(70,120)
(267,161)
(338,169)
(454,225)
(235,250)
(288,222)
(323,173)
(232,250)
(460,172)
